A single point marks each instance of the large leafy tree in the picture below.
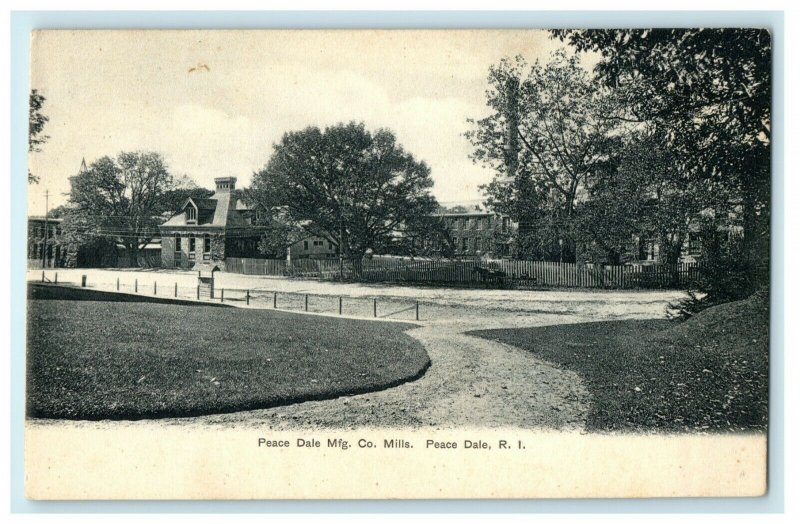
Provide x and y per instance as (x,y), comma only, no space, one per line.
(119,199)
(36,121)
(709,90)
(356,188)
(643,196)
(546,137)
(182,188)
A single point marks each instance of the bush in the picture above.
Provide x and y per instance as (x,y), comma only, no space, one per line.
(725,274)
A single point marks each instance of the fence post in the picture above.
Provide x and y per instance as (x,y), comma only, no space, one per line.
(247,297)
(198,291)
(340,305)
(306,304)
(42,276)
(155,288)
(176,290)
(416,310)
(222,295)
(55,280)
(83,280)
(375,307)
(117,283)
(274,300)
(135,285)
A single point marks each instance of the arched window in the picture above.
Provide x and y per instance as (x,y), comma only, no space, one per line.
(191,214)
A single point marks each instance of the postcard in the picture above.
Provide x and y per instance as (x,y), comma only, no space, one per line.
(398,264)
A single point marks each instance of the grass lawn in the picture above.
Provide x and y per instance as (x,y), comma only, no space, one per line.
(709,373)
(106,359)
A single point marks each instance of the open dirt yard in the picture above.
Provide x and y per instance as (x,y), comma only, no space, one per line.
(472,382)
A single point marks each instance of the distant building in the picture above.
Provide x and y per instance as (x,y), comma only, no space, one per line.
(207,231)
(479,233)
(45,248)
(313,247)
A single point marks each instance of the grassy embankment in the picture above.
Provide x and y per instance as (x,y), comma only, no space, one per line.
(106,359)
(709,373)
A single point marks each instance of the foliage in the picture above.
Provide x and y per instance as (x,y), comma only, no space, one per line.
(119,199)
(280,234)
(58,211)
(173,199)
(454,209)
(709,91)
(673,127)
(353,187)
(547,137)
(36,122)
(279,230)
(85,248)
(428,236)
(724,275)
(182,188)
(642,197)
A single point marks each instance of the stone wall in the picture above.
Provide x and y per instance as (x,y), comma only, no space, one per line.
(168,253)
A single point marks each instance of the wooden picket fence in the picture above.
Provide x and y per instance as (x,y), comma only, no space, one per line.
(256,266)
(503,273)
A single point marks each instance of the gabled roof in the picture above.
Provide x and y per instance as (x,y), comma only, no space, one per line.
(218,210)
(202,203)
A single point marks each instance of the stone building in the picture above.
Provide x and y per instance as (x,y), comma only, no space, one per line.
(209,230)
(479,233)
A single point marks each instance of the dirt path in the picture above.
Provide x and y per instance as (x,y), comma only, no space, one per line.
(472,382)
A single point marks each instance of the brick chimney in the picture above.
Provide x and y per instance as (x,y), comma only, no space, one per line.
(225,184)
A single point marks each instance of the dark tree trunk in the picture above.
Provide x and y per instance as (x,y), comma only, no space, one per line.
(133,255)
(755,242)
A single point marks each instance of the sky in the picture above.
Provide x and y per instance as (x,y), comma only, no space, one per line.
(113,91)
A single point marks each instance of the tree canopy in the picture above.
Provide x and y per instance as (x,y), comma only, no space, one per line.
(673,128)
(358,189)
(709,92)
(119,199)
(36,121)
(550,132)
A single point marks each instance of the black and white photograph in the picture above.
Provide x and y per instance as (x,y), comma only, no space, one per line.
(398,263)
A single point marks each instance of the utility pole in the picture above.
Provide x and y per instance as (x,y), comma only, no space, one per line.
(341,241)
(44,241)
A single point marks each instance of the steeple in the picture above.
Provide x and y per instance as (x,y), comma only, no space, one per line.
(83,166)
